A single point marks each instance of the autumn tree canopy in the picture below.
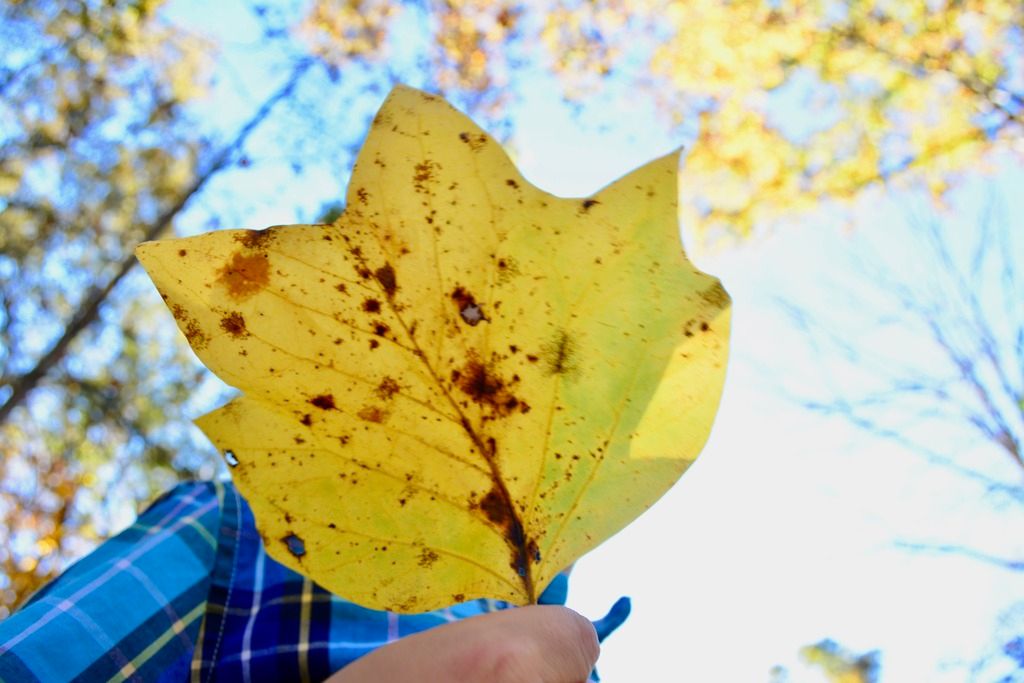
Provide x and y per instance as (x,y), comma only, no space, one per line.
(94,147)
(786,104)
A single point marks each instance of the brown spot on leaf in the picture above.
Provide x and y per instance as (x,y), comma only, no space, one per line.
(256,239)
(341,287)
(373,414)
(587,204)
(371,306)
(323,401)
(386,277)
(423,174)
(179,313)
(475,142)
(380,329)
(493,505)
(196,336)
(234,324)
(485,387)
(244,275)
(532,551)
(307,420)
(559,354)
(387,388)
(715,296)
(362,195)
(427,558)
(182,253)
(512,183)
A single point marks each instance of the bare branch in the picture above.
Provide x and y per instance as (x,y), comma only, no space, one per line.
(963,551)
(930,455)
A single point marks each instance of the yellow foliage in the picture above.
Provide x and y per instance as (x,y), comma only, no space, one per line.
(908,81)
(840,665)
(467,38)
(340,29)
(465,382)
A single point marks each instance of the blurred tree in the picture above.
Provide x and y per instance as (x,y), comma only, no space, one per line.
(840,665)
(928,349)
(835,663)
(924,332)
(97,153)
(473,52)
(1004,660)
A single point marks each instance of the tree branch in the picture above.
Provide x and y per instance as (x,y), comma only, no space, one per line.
(950,549)
(90,307)
(870,426)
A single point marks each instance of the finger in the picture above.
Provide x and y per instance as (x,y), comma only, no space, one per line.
(568,643)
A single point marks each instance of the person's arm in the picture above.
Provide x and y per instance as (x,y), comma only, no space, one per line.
(131,608)
(534,644)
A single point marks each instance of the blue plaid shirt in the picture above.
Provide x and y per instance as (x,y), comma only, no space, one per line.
(188,594)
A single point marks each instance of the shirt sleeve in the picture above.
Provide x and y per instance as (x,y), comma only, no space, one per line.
(188,593)
(266,623)
(129,611)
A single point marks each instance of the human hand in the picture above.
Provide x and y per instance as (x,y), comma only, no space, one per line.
(533,644)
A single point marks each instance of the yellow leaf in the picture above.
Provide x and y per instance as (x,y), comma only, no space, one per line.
(464,383)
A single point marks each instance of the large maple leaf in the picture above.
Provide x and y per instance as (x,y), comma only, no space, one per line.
(464,383)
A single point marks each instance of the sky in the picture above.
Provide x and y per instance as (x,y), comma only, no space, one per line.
(787,529)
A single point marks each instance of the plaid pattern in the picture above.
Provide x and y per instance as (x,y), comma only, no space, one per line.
(188,594)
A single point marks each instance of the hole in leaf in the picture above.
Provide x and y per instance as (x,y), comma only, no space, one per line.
(469,309)
(231,458)
(471,314)
(296,546)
